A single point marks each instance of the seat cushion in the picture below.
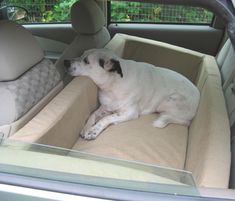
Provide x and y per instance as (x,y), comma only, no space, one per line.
(59,122)
(181,60)
(208,154)
(138,140)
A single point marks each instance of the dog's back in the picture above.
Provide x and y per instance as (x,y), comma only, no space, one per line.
(160,90)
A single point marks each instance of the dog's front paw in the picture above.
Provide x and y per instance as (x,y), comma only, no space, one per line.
(83,132)
(90,134)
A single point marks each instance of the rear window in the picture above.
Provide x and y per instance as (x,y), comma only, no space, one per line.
(139,12)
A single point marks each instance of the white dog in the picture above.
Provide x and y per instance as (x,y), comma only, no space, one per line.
(128,89)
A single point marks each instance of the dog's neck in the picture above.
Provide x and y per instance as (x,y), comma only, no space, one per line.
(105,84)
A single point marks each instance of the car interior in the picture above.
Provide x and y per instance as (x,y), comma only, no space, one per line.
(40,103)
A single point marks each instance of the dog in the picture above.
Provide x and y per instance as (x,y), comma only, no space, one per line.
(128,89)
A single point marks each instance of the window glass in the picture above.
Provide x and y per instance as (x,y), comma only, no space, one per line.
(59,164)
(124,11)
(43,11)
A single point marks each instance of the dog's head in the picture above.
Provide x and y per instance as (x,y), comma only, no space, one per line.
(95,63)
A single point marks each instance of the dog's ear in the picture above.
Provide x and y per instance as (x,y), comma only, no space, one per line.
(116,67)
(101,62)
(111,65)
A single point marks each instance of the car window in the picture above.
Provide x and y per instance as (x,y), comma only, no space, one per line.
(47,162)
(43,11)
(123,11)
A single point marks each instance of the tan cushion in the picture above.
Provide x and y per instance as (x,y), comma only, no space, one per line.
(184,61)
(61,120)
(208,155)
(208,67)
(138,140)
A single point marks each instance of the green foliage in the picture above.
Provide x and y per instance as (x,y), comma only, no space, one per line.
(121,11)
(157,13)
(45,10)
(60,12)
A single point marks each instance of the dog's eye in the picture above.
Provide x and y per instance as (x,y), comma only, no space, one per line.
(86,60)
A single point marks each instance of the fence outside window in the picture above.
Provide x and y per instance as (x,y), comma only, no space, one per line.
(122,11)
(44,11)
(53,11)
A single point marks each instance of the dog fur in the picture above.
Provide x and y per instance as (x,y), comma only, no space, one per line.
(128,89)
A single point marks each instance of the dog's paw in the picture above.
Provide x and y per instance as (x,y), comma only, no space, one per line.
(160,124)
(90,134)
(83,132)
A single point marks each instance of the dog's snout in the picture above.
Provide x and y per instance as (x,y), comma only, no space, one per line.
(67,63)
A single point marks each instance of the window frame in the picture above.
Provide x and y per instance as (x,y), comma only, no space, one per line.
(156,23)
(90,190)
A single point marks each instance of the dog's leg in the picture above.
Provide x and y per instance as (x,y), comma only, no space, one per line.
(166,119)
(162,121)
(115,118)
(172,106)
(95,116)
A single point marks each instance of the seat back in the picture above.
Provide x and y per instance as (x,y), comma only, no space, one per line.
(226,61)
(27,80)
(88,21)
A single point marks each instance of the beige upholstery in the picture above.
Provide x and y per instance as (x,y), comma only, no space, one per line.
(208,139)
(203,148)
(61,120)
(230,100)
(28,81)
(19,50)
(226,62)
(12,128)
(226,59)
(208,156)
(157,53)
(89,23)
(138,140)
(87,17)
(222,55)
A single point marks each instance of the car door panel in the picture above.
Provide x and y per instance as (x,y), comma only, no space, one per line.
(53,38)
(202,38)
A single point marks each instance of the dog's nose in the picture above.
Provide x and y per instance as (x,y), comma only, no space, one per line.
(67,63)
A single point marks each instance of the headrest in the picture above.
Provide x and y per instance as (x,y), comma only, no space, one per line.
(19,50)
(87,17)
